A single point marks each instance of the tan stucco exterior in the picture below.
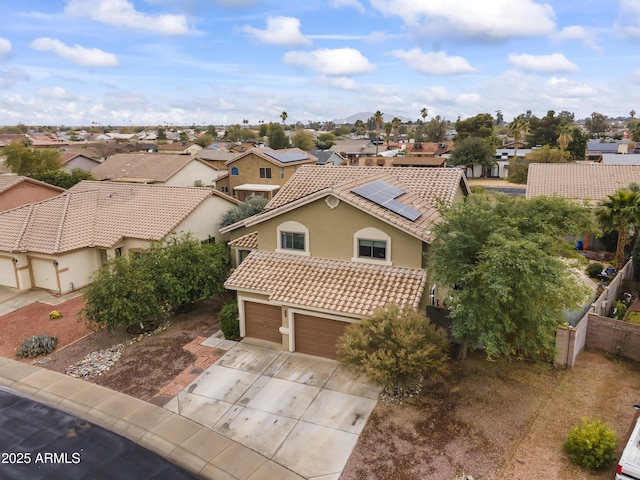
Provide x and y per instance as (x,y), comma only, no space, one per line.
(248,172)
(26,192)
(332,233)
(194,174)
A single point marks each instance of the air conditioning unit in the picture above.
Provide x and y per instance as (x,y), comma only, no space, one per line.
(197,183)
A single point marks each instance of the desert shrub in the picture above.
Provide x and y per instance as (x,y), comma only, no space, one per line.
(37,345)
(55,314)
(395,347)
(592,444)
(619,310)
(229,321)
(594,269)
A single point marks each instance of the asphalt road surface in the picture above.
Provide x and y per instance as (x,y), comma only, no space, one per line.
(41,442)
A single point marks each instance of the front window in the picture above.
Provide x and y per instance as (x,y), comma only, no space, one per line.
(265,172)
(234,171)
(292,241)
(372,249)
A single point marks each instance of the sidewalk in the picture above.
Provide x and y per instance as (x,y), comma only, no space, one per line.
(184,442)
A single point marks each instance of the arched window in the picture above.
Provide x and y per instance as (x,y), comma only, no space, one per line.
(371,245)
(293,237)
(234,171)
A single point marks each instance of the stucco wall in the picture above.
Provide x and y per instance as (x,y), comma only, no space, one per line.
(204,221)
(249,172)
(82,162)
(191,173)
(25,193)
(331,233)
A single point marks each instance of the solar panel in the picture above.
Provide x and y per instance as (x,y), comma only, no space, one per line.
(384,194)
(287,157)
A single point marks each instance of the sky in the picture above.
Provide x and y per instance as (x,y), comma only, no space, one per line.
(203,62)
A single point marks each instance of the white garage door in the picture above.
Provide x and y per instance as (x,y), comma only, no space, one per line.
(7,272)
(44,273)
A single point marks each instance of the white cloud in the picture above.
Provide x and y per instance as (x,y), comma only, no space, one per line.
(343,83)
(347,3)
(9,77)
(556,62)
(5,47)
(433,63)
(561,87)
(579,33)
(279,31)
(435,94)
(491,21)
(337,61)
(54,93)
(629,19)
(123,13)
(90,57)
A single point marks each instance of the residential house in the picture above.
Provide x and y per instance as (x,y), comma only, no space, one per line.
(175,170)
(584,182)
(72,160)
(352,150)
(327,157)
(263,171)
(7,138)
(179,148)
(216,158)
(334,244)
(16,190)
(57,244)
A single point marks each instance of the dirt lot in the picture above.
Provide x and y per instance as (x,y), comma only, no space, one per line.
(497,420)
(148,365)
(493,420)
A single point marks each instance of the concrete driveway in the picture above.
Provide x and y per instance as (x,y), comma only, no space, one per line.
(302,412)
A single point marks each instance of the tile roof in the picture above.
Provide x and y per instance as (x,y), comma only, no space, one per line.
(579,181)
(250,240)
(423,187)
(10,181)
(143,167)
(98,214)
(330,285)
(261,152)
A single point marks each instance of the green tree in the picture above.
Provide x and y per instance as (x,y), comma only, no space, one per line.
(544,131)
(303,140)
(277,138)
(634,130)
(564,137)
(597,124)
(499,118)
(283,117)
(504,255)
(325,141)
(472,151)
(120,294)
(235,133)
(395,347)
(423,113)
(22,159)
(183,136)
(620,213)
(388,128)
(161,135)
(253,205)
(435,129)
(204,140)
(185,270)
(170,275)
(62,179)
(479,126)
(577,148)
(396,123)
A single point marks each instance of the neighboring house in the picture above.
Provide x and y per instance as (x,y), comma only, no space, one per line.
(334,244)
(589,182)
(585,182)
(353,149)
(175,170)
(16,191)
(57,244)
(71,160)
(216,158)
(327,157)
(7,138)
(262,171)
(179,148)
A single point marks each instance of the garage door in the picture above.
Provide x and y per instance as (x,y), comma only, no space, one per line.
(263,321)
(7,272)
(44,273)
(317,336)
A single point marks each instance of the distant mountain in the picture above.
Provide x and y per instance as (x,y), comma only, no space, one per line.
(364,116)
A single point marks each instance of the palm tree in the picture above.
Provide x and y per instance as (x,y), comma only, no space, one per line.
(283,116)
(632,114)
(395,123)
(517,128)
(620,212)
(388,127)
(378,119)
(423,113)
(565,137)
